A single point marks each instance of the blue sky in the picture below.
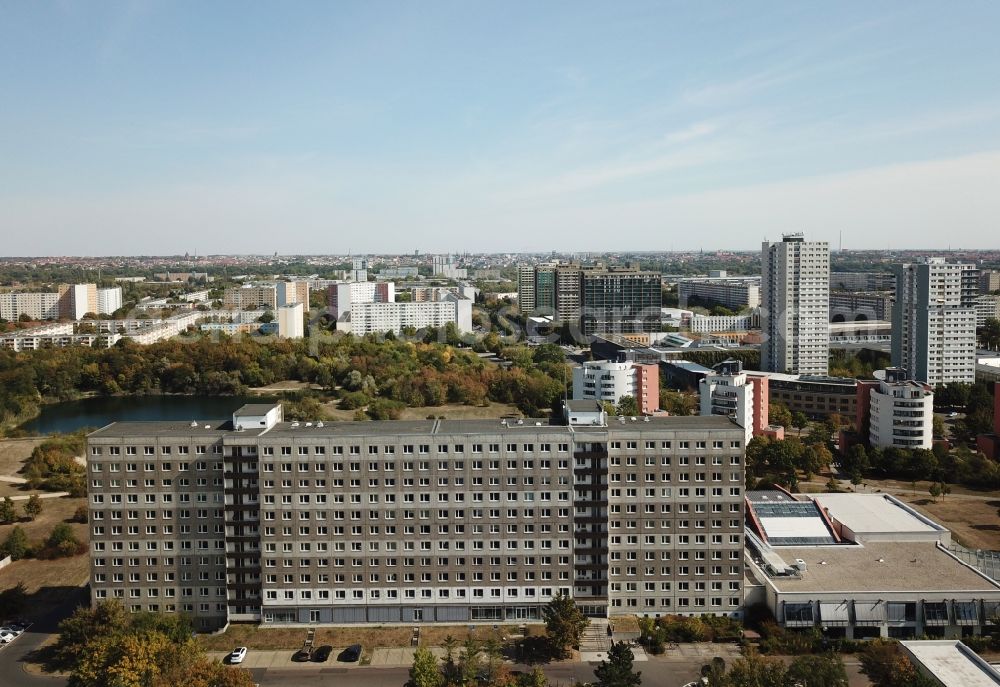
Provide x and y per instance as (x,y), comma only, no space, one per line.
(327,127)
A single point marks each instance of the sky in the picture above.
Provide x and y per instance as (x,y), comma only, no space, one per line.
(151,127)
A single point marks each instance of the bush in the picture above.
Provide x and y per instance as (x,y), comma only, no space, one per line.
(62,543)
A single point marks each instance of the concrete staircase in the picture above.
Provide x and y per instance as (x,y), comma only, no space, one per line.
(595,637)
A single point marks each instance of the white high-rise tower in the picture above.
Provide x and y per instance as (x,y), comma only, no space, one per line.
(795,306)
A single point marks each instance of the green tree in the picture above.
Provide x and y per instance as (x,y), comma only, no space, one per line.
(16,545)
(934,490)
(628,405)
(616,670)
(62,542)
(754,670)
(938,427)
(799,421)
(536,678)
(425,671)
(450,668)
(8,512)
(564,623)
(468,661)
(886,665)
(13,601)
(33,507)
(826,670)
(778,414)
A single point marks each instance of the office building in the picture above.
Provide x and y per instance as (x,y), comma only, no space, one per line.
(289,292)
(621,301)
(251,297)
(609,382)
(795,306)
(861,566)
(291,321)
(934,321)
(458,521)
(593,298)
(901,412)
(109,300)
(734,293)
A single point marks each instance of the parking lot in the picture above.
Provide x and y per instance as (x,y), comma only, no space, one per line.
(15,628)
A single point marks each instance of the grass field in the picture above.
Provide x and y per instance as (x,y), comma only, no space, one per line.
(256,637)
(13,453)
(35,574)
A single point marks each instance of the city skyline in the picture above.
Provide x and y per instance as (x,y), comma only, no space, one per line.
(327,129)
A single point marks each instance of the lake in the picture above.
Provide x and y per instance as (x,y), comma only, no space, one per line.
(70,416)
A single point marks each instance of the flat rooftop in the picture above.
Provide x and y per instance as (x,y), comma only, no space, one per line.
(874,513)
(253,409)
(164,428)
(952,663)
(375,428)
(879,567)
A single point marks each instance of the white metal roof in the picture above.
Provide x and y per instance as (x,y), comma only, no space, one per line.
(871,513)
(952,663)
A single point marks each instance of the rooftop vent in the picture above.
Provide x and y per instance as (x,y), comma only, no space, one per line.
(208,426)
(194,423)
(309,424)
(295,424)
(319,424)
(645,419)
(633,418)
(520,422)
(538,424)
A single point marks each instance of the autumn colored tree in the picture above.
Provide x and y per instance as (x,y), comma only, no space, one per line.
(564,623)
(32,507)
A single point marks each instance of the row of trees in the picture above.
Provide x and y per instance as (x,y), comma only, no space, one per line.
(406,372)
(60,543)
(31,509)
(106,646)
(955,466)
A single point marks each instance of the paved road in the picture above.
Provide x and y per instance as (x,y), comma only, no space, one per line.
(12,656)
(654,674)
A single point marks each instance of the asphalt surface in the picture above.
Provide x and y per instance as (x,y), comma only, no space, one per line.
(12,655)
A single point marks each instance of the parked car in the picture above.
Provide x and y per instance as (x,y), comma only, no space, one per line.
(322,653)
(6,637)
(11,629)
(239,653)
(350,654)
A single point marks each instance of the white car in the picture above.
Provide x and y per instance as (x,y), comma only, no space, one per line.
(6,637)
(11,629)
(239,653)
